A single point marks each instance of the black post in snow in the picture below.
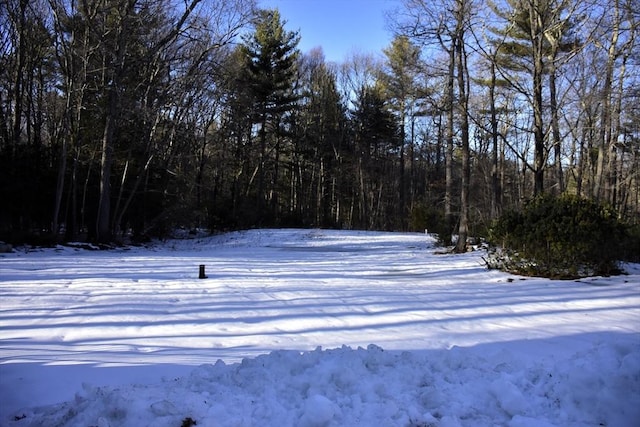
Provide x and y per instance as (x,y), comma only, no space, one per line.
(202,275)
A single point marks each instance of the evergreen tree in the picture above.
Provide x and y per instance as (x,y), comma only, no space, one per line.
(401,81)
(319,142)
(271,56)
(537,32)
(376,144)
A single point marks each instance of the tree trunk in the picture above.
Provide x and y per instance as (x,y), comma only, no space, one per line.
(605,140)
(496,191)
(448,155)
(103,226)
(402,211)
(463,95)
(537,40)
(260,196)
(114,72)
(18,78)
(555,128)
(538,121)
(62,168)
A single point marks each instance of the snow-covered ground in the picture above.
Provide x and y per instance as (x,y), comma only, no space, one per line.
(310,328)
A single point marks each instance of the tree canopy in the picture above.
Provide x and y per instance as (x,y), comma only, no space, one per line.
(125,119)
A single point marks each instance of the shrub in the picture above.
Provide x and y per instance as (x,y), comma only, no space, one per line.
(430,218)
(563,237)
(631,246)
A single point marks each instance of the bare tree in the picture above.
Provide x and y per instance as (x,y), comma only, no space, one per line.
(425,22)
(621,24)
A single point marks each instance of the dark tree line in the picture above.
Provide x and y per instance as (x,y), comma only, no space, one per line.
(129,118)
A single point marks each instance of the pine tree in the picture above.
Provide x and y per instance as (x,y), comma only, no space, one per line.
(320,134)
(376,144)
(537,32)
(271,55)
(402,86)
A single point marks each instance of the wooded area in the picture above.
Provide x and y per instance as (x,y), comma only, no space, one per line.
(130,118)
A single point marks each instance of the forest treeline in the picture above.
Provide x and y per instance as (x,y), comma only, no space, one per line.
(129,118)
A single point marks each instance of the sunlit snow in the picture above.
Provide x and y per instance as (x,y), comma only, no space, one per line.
(310,328)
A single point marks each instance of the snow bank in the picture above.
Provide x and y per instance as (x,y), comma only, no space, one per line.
(368,387)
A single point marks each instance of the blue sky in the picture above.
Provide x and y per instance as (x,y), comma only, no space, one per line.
(338,26)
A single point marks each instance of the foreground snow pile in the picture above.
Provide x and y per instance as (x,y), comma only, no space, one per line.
(133,338)
(370,387)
